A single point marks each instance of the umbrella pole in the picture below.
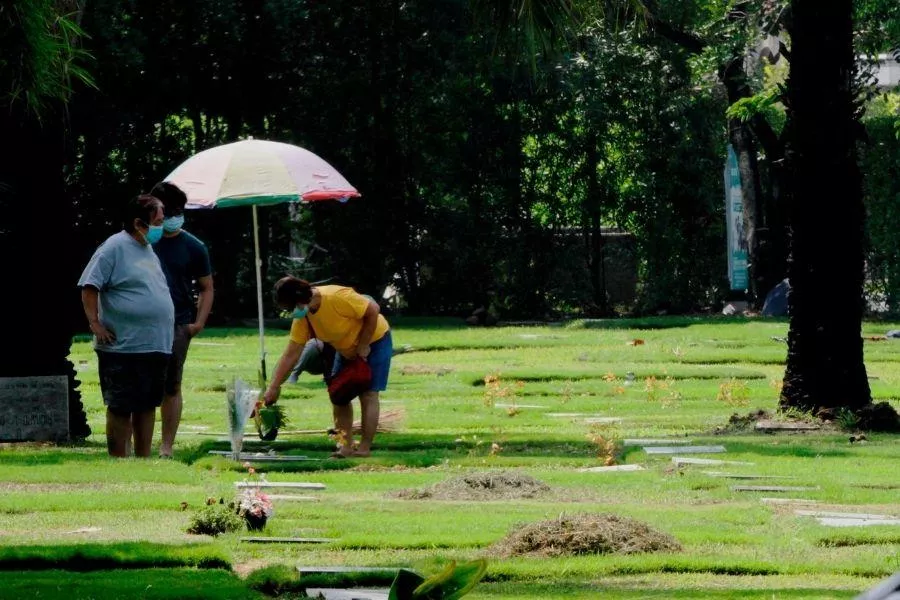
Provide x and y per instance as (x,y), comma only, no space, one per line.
(259,302)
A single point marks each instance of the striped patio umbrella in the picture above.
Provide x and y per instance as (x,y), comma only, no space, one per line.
(258,173)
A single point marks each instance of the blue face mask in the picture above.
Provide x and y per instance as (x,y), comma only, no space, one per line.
(299,313)
(154,234)
(173,224)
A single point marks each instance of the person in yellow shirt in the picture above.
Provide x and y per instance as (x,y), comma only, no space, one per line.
(354,325)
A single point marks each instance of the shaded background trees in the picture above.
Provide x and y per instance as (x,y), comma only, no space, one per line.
(493,167)
(489,174)
(477,177)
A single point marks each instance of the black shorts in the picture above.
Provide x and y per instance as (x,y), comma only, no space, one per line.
(132,383)
(175,371)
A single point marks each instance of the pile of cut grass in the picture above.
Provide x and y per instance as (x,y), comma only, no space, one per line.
(585,534)
(488,485)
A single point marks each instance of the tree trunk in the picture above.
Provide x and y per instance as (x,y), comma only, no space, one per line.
(592,229)
(825,366)
(38,216)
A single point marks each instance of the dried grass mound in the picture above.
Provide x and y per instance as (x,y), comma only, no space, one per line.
(489,485)
(585,534)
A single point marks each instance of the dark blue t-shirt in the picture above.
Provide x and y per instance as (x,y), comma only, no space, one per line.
(184,259)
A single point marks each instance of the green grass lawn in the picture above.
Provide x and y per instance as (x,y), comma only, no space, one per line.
(120,525)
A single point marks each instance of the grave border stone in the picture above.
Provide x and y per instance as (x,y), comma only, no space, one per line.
(34,409)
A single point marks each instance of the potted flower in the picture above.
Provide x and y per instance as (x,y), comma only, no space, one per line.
(254,506)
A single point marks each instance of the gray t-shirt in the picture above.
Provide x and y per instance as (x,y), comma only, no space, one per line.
(135,303)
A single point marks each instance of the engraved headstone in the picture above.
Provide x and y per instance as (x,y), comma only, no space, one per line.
(34,409)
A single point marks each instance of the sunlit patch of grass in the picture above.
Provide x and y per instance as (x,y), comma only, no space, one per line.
(579,371)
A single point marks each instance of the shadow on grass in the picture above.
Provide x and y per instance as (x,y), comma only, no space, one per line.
(97,557)
(844,540)
(664,322)
(580,589)
(156,584)
(413,451)
(796,449)
(749,360)
(278,580)
(31,454)
(639,376)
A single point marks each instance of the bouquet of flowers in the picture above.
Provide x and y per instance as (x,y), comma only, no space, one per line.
(254,506)
(269,419)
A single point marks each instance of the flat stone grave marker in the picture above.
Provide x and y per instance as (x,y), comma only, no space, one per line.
(293,498)
(684,449)
(611,468)
(800,501)
(739,476)
(34,409)
(348,594)
(844,515)
(282,484)
(687,460)
(567,415)
(287,540)
(311,570)
(251,457)
(654,442)
(768,425)
(506,405)
(598,420)
(255,454)
(838,522)
(772,488)
(85,530)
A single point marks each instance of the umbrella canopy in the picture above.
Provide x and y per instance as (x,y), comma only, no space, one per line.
(258,172)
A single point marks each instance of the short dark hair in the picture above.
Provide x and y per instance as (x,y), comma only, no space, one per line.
(141,207)
(291,291)
(173,198)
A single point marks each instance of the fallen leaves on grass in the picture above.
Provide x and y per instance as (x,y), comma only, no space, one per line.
(490,485)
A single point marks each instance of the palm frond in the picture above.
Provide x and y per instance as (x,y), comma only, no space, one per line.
(42,59)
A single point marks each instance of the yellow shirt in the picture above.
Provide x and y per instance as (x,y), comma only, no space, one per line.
(338,320)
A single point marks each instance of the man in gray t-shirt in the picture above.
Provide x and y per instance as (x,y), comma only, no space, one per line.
(134,299)
(127,303)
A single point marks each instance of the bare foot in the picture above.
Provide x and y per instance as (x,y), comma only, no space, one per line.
(361,453)
(342,454)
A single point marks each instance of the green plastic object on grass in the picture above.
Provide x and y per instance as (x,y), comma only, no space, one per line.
(455,581)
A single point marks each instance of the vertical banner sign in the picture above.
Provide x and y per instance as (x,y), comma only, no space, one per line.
(734,224)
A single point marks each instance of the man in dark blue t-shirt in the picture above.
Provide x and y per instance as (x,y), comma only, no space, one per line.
(185,262)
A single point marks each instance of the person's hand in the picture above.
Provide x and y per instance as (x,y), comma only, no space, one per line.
(103,335)
(271,396)
(363,351)
(194,329)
